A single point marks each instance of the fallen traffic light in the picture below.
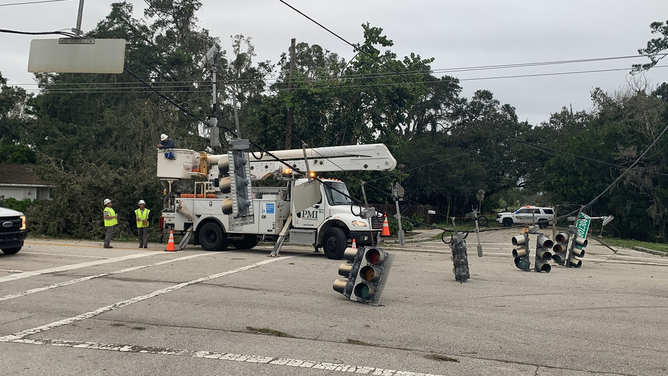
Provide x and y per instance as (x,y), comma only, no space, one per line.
(576,250)
(543,255)
(349,270)
(240,205)
(521,253)
(367,274)
(560,248)
(460,260)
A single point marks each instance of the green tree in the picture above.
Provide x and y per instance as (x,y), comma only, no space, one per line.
(655,46)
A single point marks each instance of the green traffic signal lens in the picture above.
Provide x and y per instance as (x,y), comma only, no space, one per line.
(521,263)
(364,291)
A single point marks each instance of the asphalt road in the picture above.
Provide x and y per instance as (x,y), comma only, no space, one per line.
(72,307)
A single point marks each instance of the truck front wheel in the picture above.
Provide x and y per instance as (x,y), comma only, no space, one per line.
(212,237)
(507,222)
(334,243)
(11,251)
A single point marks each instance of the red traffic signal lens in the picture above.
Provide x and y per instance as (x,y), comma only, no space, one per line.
(375,256)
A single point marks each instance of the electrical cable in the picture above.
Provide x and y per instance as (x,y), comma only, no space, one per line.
(32,2)
(618,178)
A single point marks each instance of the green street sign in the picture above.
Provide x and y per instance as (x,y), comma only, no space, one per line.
(582,226)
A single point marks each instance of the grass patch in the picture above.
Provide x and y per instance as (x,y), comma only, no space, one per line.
(630,243)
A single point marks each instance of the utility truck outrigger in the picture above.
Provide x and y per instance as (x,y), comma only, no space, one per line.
(316,212)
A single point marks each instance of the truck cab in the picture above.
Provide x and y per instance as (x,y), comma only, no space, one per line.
(333,222)
(12,230)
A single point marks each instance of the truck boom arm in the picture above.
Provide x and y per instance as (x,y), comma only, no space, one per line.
(372,157)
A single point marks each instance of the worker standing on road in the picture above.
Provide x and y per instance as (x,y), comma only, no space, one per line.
(141,215)
(109,222)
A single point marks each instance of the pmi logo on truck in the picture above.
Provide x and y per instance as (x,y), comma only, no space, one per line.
(309,214)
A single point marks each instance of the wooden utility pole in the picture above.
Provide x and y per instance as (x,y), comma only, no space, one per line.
(288,125)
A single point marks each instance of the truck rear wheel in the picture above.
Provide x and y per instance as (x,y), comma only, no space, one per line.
(248,242)
(212,237)
(334,243)
(11,251)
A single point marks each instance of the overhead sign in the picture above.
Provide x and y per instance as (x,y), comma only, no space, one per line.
(76,55)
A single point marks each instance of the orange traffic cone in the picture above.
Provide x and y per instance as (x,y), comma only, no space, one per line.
(170,243)
(354,244)
(386,228)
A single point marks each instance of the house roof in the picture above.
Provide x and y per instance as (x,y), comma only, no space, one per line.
(19,174)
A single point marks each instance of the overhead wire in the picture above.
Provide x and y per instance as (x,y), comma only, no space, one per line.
(32,2)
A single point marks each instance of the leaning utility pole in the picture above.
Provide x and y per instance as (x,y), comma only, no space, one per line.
(289,119)
(211,60)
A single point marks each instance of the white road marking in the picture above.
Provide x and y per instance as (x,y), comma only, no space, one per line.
(286,362)
(62,255)
(137,299)
(57,269)
(87,278)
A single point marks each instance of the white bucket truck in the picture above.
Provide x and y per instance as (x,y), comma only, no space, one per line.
(310,211)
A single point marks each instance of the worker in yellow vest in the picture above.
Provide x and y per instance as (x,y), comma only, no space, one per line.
(141,215)
(110,222)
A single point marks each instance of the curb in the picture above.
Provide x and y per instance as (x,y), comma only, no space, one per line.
(647,250)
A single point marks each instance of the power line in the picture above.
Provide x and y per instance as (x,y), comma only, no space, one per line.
(37,32)
(32,2)
(202,86)
(560,153)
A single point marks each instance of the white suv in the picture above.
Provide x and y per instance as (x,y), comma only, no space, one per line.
(527,215)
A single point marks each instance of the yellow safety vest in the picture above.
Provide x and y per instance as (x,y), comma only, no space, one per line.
(143,218)
(110,213)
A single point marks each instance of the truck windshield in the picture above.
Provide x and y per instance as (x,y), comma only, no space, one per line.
(338,195)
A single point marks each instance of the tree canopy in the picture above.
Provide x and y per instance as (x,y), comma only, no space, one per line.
(93,136)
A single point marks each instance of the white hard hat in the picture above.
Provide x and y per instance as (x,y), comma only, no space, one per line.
(163,137)
(141,202)
(106,201)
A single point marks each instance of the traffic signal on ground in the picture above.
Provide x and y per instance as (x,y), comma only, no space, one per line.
(560,248)
(521,252)
(576,251)
(366,274)
(349,270)
(543,255)
(240,189)
(460,260)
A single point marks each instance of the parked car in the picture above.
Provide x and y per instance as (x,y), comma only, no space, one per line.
(542,216)
(12,230)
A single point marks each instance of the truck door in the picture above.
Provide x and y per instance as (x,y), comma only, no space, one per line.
(313,216)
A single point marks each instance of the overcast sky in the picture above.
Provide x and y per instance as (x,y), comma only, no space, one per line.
(456,33)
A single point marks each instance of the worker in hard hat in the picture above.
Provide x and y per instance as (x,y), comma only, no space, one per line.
(165,142)
(110,222)
(141,215)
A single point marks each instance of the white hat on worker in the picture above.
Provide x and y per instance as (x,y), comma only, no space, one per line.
(163,137)
(106,201)
(141,202)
